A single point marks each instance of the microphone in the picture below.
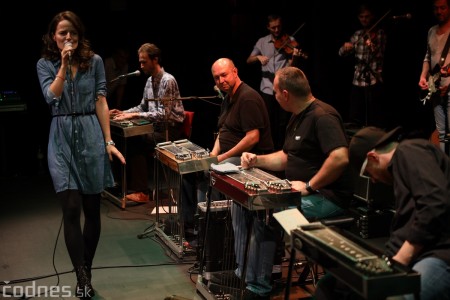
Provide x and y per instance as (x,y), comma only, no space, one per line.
(135,73)
(405,16)
(219,92)
(69,44)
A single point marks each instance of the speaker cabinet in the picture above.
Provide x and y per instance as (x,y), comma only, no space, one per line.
(375,195)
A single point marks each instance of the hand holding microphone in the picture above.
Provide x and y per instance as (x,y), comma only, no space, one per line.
(68,45)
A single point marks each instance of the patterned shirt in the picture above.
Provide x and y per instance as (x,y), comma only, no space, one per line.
(369,59)
(160,90)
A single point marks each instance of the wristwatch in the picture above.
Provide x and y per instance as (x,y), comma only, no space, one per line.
(110,143)
(309,188)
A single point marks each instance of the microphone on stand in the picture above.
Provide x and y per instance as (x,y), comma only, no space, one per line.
(135,73)
(405,16)
(219,92)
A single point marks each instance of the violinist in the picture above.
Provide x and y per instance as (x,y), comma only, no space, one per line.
(367,46)
(273,52)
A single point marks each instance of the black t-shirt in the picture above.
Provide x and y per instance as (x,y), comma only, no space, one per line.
(244,112)
(310,137)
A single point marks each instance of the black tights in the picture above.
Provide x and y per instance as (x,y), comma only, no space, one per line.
(81,244)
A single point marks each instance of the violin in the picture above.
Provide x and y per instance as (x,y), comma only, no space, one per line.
(286,44)
(369,34)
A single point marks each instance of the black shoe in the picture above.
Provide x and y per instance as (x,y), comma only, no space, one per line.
(85,292)
(249,295)
(226,278)
(84,289)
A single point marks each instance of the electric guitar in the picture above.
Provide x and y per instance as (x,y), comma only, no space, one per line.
(434,81)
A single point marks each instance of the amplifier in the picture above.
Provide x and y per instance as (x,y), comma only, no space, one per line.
(376,195)
(371,223)
(11,101)
(9,96)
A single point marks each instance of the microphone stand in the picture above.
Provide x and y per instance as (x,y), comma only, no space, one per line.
(169,100)
(115,79)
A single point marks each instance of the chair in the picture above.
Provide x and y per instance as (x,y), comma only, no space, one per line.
(187,124)
(434,138)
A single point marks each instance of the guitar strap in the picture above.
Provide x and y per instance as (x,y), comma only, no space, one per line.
(443,55)
(445,51)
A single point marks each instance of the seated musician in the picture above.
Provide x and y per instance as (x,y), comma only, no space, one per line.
(160,85)
(243,126)
(315,153)
(420,232)
(314,157)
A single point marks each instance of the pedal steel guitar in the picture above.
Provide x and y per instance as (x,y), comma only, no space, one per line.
(256,189)
(365,270)
(175,159)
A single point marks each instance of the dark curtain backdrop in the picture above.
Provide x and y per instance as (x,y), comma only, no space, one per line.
(192,35)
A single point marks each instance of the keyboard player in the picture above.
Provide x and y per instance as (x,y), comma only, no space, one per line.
(159,105)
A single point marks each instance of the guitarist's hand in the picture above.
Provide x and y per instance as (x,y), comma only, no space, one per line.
(423,83)
(444,71)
